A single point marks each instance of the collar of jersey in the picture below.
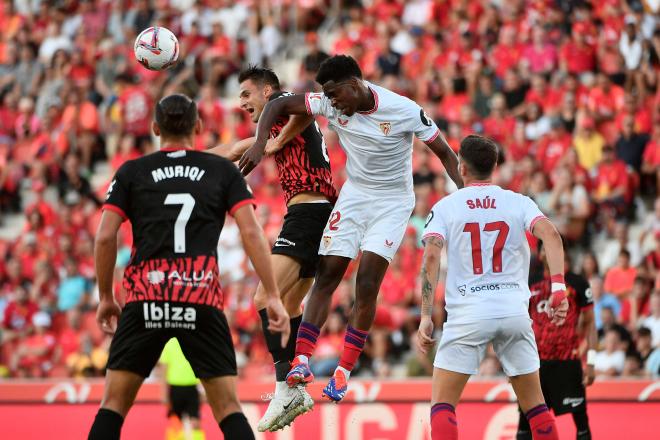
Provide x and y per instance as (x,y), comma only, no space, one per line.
(375,95)
(170,149)
(481,184)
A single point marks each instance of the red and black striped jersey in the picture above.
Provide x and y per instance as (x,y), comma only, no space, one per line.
(176,201)
(303,163)
(558,342)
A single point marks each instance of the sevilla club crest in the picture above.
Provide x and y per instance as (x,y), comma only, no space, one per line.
(385,127)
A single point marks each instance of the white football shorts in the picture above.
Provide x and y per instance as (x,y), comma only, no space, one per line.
(366,221)
(463,346)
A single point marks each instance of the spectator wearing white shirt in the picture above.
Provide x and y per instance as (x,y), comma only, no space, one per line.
(652,322)
(630,44)
(611,360)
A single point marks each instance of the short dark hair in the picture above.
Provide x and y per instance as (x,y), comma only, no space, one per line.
(480,154)
(176,115)
(338,68)
(259,75)
(624,253)
(644,331)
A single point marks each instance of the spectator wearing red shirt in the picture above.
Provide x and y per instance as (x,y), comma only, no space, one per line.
(611,182)
(507,53)
(540,55)
(619,280)
(17,319)
(34,355)
(605,100)
(641,114)
(552,146)
(135,106)
(636,305)
(576,56)
(651,158)
(540,93)
(499,125)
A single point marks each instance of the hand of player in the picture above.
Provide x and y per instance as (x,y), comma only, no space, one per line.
(589,375)
(425,339)
(558,307)
(107,315)
(272,146)
(251,157)
(278,319)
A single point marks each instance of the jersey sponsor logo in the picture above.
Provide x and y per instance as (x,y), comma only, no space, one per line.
(424,117)
(573,401)
(156,276)
(490,287)
(283,242)
(461,289)
(485,203)
(195,174)
(110,188)
(166,316)
(385,127)
(388,243)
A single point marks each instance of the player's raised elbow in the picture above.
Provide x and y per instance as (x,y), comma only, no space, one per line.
(547,232)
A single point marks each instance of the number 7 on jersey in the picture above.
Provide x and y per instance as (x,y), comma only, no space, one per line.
(188,203)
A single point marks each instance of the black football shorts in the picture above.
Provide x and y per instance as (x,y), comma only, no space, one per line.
(561,382)
(145,327)
(184,401)
(301,235)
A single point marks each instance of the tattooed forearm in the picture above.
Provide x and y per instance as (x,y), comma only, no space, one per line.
(430,273)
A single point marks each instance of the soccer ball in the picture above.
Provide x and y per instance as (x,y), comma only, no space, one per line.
(156,48)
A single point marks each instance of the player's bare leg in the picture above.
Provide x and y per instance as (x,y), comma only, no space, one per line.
(119,393)
(369,278)
(530,397)
(223,400)
(293,290)
(446,391)
(330,272)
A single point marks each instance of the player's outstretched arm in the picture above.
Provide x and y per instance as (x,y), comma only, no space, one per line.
(545,231)
(429,280)
(449,160)
(233,151)
(105,255)
(282,106)
(258,252)
(296,125)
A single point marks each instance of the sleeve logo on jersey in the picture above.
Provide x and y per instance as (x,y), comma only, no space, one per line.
(110,187)
(428,219)
(424,117)
(385,127)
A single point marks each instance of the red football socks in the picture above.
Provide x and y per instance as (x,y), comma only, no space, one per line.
(353,344)
(443,422)
(306,341)
(542,423)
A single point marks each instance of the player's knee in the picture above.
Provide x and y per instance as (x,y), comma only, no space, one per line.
(367,288)
(292,305)
(117,403)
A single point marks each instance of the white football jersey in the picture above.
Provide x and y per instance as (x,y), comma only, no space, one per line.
(484,227)
(378,143)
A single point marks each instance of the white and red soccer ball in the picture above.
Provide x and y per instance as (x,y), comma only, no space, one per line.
(156,48)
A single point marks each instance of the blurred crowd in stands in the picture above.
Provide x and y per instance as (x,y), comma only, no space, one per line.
(569,89)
